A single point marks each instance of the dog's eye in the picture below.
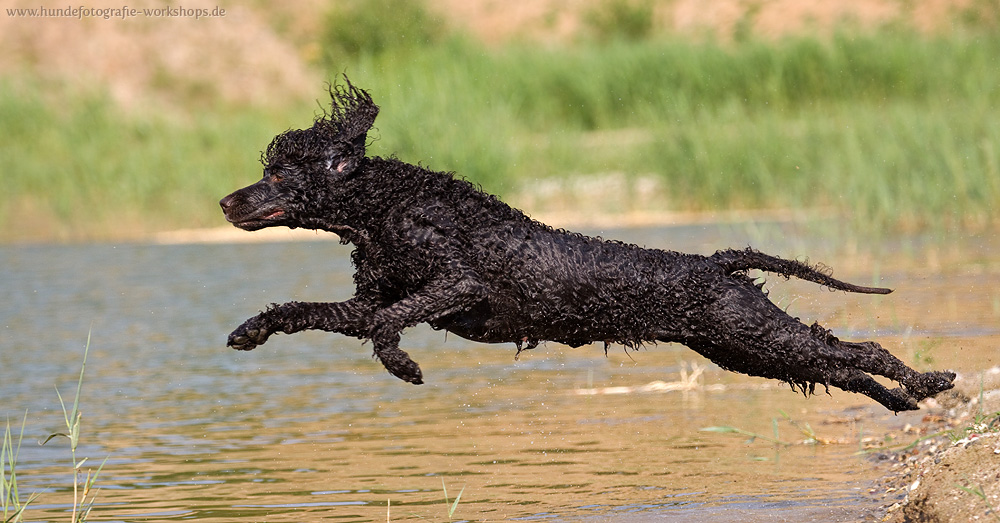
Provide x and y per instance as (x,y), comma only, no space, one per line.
(275,178)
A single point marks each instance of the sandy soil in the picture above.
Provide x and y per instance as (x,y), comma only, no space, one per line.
(953,475)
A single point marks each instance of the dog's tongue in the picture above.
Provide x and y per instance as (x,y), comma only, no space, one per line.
(274,214)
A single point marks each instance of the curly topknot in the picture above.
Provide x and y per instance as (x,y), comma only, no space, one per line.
(344,128)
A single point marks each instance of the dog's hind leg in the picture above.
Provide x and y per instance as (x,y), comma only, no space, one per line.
(743,331)
(803,377)
(853,380)
(871,357)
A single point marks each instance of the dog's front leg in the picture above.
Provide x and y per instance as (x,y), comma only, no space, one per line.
(351,318)
(434,300)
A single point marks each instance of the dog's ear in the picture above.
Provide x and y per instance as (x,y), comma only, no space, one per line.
(337,140)
(352,114)
(344,158)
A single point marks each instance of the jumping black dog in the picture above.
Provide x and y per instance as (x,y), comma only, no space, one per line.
(433,248)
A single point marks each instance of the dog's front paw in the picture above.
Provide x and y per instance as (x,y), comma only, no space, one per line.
(399,364)
(248,336)
(407,371)
(385,338)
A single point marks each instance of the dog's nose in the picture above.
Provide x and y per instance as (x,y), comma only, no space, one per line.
(226,203)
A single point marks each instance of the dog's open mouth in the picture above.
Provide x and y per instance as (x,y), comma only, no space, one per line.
(256,221)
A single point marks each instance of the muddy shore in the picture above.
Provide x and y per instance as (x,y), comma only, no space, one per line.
(950,469)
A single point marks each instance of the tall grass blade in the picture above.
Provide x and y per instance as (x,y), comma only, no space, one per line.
(725,429)
(90,482)
(10,498)
(13,510)
(804,428)
(81,505)
(79,387)
(452,505)
(65,417)
(978,492)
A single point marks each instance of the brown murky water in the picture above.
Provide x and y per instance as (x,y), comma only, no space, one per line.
(309,427)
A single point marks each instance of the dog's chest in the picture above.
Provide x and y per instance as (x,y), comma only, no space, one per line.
(391,267)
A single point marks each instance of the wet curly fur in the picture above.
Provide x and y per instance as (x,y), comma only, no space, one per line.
(433,248)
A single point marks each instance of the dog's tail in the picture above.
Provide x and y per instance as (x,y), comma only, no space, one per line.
(732,261)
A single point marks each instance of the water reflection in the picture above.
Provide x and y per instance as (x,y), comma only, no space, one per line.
(309,427)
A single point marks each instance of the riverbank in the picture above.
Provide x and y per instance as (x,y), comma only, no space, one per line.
(951,473)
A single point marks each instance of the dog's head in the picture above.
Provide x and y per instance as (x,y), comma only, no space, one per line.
(301,166)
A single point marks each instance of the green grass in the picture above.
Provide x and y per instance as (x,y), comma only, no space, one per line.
(452,505)
(891,129)
(86,165)
(978,492)
(11,504)
(84,496)
(811,438)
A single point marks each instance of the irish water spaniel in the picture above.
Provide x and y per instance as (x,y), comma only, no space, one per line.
(433,248)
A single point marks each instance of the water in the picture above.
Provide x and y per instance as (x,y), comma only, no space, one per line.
(308,427)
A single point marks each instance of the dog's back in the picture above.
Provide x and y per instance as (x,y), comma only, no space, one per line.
(538,283)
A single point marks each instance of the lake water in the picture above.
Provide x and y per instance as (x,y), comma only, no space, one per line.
(309,427)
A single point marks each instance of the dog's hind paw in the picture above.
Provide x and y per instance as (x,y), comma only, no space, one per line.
(929,384)
(897,400)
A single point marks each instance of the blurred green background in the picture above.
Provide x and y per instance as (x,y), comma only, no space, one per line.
(883,114)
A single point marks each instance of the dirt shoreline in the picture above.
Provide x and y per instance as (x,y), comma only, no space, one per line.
(952,471)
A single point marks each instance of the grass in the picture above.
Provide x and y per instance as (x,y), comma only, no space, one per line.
(452,505)
(751,436)
(84,495)
(890,129)
(811,438)
(83,498)
(10,499)
(978,492)
(86,165)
